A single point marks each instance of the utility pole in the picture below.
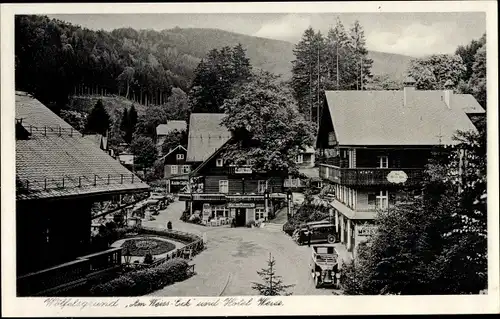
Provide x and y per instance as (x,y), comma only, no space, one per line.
(337,47)
(310,90)
(361,71)
(317,108)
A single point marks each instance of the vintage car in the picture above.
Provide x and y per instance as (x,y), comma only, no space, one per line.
(325,266)
(320,233)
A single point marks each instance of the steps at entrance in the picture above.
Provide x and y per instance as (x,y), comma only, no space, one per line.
(273,226)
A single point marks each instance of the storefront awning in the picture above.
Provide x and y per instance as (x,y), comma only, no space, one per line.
(351,214)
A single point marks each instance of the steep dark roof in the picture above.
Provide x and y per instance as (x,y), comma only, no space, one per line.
(381,118)
(57,161)
(164,129)
(206,135)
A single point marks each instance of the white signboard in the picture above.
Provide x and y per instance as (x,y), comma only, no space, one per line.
(366,230)
(207,210)
(397,177)
(243,170)
(241,205)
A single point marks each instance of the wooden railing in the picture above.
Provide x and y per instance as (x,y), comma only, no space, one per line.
(368,176)
(68,273)
(194,245)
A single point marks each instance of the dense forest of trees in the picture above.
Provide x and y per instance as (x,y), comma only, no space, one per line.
(140,65)
(337,61)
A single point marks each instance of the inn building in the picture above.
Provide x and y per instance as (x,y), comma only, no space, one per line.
(374,146)
(60,174)
(224,192)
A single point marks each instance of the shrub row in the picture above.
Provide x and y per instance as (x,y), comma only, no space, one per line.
(141,282)
(185,238)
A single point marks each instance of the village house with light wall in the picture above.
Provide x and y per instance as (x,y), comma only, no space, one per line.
(175,169)
(162,130)
(60,174)
(221,191)
(374,146)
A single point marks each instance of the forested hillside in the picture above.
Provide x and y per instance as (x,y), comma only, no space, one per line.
(141,65)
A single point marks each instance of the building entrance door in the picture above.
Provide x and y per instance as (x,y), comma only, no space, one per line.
(240,217)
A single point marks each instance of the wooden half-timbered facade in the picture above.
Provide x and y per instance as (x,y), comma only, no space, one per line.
(218,190)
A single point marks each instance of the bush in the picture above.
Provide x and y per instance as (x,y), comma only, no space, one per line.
(148,258)
(289,228)
(250,224)
(141,282)
(185,216)
(195,219)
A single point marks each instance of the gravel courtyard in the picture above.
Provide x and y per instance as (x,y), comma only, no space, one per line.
(228,266)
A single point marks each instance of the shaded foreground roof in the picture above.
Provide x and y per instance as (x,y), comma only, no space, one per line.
(164,129)
(56,161)
(206,135)
(381,118)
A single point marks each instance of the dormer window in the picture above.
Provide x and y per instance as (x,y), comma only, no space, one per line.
(219,162)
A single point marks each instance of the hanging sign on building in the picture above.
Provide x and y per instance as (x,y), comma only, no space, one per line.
(243,170)
(241,205)
(178,183)
(207,209)
(366,230)
(397,177)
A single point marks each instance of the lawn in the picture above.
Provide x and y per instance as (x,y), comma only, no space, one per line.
(141,246)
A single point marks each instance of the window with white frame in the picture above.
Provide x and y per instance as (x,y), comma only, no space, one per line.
(382,199)
(220,211)
(219,162)
(185,169)
(383,161)
(173,169)
(180,156)
(300,159)
(223,186)
(261,186)
(259,213)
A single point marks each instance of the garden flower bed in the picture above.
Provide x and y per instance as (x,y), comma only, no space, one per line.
(144,245)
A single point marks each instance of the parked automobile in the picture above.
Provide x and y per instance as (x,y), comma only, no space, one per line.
(320,233)
(324,266)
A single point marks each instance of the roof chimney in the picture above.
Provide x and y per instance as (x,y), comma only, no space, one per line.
(408,86)
(448,92)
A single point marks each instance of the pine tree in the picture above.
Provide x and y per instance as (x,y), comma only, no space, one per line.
(273,284)
(337,59)
(302,72)
(98,120)
(309,73)
(361,65)
(132,117)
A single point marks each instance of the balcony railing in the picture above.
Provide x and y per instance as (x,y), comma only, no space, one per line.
(371,176)
(68,274)
(74,181)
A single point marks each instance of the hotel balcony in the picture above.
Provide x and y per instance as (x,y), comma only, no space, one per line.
(371,176)
(229,197)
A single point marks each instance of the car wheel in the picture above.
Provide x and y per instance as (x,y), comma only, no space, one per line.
(331,239)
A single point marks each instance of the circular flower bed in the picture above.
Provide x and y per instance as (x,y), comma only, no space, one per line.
(142,246)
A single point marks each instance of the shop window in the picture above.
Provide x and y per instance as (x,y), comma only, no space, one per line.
(173,169)
(223,186)
(372,199)
(220,211)
(259,213)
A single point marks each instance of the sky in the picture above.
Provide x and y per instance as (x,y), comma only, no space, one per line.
(413,34)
